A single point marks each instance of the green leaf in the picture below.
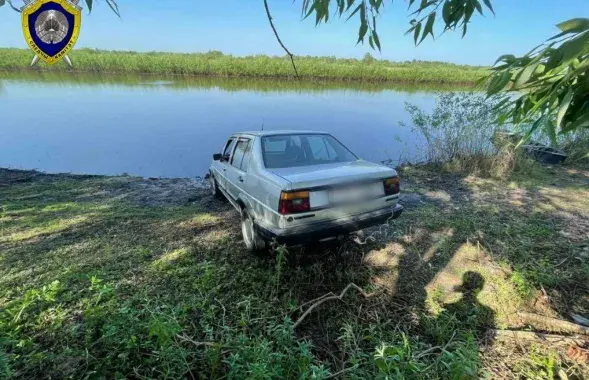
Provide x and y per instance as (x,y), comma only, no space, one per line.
(554,58)
(417,31)
(113,5)
(502,103)
(488,4)
(349,5)
(574,48)
(381,364)
(574,25)
(325,11)
(89,3)
(354,12)
(447,13)
(507,58)
(550,130)
(535,126)
(564,106)
(310,10)
(363,24)
(341,6)
(362,32)
(478,6)
(429,25)
(582,122)
(468,11)
(499,83)
(525,75)
(376,39)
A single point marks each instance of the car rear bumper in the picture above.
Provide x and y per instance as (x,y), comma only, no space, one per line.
(318,231)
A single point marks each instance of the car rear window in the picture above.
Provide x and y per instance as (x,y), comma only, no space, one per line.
(287,151)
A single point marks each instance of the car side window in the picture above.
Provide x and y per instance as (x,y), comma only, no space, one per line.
(228,149)
(246,156)
(239,153)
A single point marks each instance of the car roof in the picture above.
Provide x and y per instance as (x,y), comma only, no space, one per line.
(280,132)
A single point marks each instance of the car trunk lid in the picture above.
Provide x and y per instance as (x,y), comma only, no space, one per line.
(309,177)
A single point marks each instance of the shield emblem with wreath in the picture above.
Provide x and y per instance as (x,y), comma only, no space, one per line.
(51,27)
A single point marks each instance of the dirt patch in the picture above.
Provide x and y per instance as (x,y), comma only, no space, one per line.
(163,192)
(151,192)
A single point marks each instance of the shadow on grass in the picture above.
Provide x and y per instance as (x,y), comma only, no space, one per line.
(133,277)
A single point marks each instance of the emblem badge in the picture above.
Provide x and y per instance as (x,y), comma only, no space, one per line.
(51,28)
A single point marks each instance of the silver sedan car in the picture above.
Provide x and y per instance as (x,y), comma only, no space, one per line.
(301,187)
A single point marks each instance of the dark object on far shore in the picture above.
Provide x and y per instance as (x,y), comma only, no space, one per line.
(545,154)
(540,152)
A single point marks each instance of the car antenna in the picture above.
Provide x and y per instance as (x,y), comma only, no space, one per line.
(262,125)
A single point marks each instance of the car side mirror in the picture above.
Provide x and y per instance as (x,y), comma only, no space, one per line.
(217,156)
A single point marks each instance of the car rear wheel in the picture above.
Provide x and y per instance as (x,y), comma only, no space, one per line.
(215,188)
(253,241)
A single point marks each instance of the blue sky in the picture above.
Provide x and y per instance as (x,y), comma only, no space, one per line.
(240,27)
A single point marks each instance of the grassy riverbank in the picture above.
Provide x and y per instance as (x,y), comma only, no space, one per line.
(218,64)
(128,277)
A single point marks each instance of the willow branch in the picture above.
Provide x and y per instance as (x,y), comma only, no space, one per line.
(13,7)
(279,40)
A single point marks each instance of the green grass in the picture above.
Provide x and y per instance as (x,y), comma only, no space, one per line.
(218,64)
(97,283)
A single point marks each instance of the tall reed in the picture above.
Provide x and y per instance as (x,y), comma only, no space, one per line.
(218,64)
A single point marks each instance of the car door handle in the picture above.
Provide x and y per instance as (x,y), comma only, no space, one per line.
(240,179)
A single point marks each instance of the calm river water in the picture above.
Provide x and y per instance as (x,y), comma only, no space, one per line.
(170,128)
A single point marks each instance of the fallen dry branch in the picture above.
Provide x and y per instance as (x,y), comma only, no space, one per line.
(314,300)
(328,298)
(198,344)
(337,374)
(552,324)
(535,337)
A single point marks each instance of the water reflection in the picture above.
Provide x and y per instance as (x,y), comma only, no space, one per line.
(224,83)
(73,122)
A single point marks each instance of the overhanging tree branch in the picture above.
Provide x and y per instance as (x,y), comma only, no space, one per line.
(13,7)
(279,40)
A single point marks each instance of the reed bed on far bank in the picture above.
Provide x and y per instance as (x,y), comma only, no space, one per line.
(215,63)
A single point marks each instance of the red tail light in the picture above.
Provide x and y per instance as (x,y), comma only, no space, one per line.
(294,202)
(392,186)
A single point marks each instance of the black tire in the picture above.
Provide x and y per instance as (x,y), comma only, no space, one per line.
(215,188)
(253,241)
